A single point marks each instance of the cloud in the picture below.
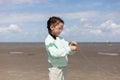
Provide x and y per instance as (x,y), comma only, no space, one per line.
(76,31)
(109,26)
(86,23)
(108,30)
(13,28)
(21,18)
(28,1)
(86,17)
(14,2)
(90,25)
(94,16)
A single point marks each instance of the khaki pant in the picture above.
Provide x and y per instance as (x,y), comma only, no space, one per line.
(57,73)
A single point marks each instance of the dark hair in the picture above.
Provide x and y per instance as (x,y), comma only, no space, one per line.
(53,21)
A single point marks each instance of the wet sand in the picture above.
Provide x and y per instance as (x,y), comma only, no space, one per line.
(28,61)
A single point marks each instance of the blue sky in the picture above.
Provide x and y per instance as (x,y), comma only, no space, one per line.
(85,20)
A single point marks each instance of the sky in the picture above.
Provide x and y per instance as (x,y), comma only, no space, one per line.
(85,20)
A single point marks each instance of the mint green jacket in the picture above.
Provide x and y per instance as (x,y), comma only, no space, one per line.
(57,51)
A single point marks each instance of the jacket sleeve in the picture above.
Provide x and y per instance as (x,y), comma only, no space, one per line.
(68,44)
(57,52)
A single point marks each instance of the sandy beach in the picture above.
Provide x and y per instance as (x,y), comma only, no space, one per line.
(28,61)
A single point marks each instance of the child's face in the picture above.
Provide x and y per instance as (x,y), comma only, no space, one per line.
(57,29)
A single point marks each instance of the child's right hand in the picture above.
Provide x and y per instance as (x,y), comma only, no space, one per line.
(73,48)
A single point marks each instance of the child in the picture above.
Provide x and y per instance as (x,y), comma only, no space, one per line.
(57,49)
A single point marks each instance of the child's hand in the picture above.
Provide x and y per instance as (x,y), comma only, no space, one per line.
(73,46)
(73,43)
